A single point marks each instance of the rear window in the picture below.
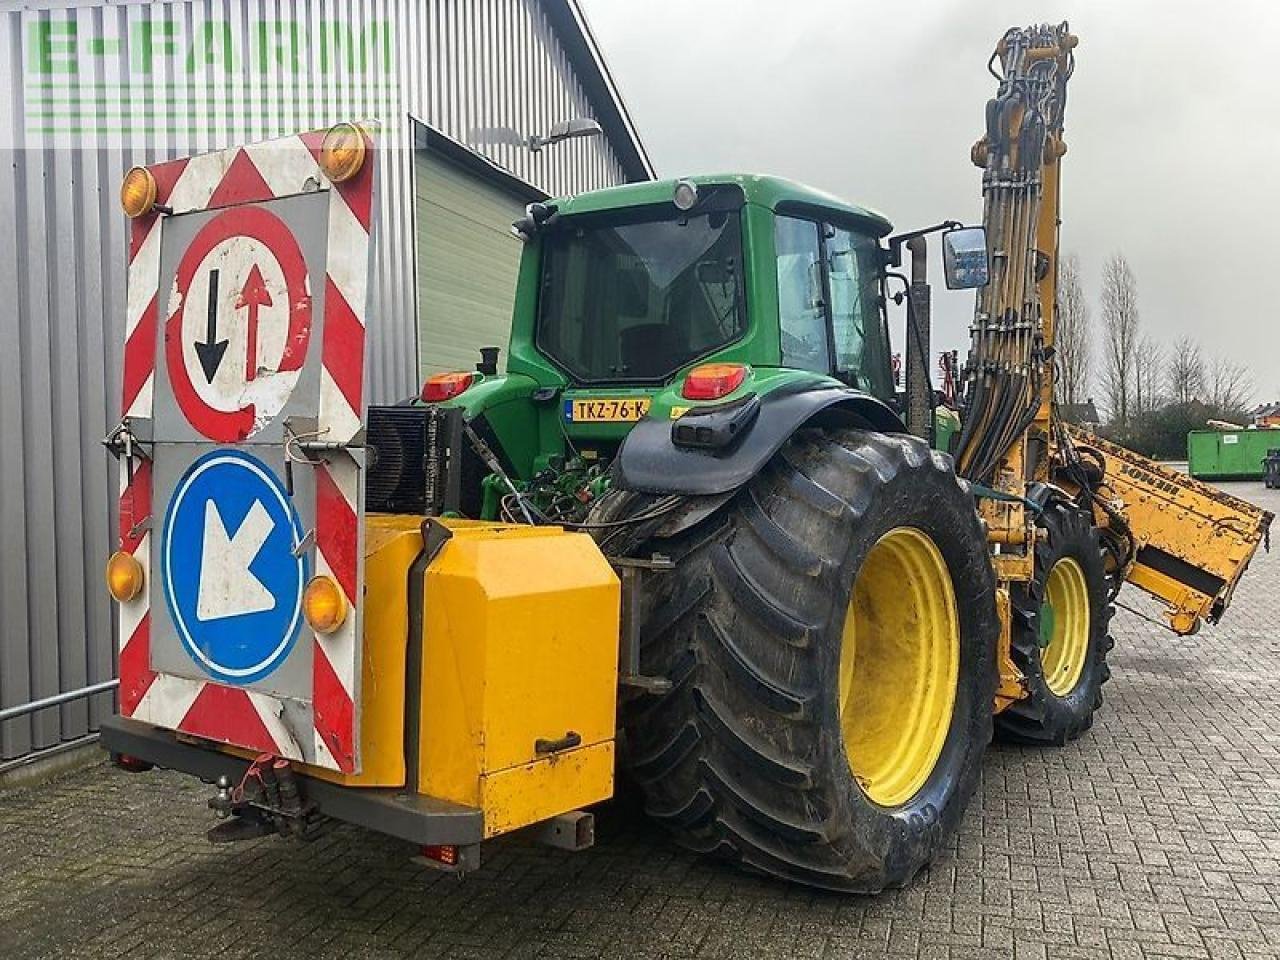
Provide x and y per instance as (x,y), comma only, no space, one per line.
(638,300)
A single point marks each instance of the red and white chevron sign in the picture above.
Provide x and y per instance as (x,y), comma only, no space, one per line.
(230,382)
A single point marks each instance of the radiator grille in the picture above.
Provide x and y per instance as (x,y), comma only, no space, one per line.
(410,453)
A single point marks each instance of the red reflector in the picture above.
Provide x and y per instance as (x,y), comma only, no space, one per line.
(131,764)
(446,386)
(441,853)
(711,381)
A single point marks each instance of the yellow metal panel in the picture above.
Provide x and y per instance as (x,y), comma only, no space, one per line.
(1193,541)
(1012,686)
(518,796)
(520,644)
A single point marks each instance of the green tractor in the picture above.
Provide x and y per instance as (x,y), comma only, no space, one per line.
(694,510)
(700,375)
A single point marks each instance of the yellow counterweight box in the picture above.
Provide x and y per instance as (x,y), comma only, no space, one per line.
(519,673)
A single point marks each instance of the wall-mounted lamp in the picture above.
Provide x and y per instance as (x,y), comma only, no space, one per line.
(564,130)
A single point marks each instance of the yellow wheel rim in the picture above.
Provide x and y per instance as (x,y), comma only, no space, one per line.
(899,661)
(1067,598)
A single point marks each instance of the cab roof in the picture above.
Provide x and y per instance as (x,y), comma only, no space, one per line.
(775,193)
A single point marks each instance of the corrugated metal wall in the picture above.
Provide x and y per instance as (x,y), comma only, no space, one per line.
(126,83)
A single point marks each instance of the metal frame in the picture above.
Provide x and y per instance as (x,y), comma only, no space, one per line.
(413,817)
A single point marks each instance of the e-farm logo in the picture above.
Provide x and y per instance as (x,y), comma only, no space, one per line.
(174,71)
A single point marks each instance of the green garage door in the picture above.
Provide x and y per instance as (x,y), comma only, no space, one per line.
(467,264)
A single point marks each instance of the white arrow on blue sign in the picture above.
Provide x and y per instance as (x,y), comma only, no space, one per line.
(231,577)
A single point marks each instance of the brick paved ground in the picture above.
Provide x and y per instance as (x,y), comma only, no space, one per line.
(1158,835)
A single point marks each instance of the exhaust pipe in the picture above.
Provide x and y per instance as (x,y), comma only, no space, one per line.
(919,323)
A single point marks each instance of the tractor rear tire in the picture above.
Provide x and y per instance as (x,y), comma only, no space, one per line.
(1059,633)
(748,755)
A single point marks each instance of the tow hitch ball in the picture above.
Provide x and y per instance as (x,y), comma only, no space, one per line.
(267,800)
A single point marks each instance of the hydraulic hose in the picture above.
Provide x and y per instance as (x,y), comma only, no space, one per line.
(1004,372)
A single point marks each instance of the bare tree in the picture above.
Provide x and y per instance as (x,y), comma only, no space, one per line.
(1148,361)
(1072,340)
(1184,376)
(1120,323)
(1229,385)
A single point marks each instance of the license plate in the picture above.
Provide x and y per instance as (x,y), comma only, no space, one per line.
(611,410)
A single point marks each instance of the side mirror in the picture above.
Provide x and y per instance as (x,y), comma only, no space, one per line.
(964,258)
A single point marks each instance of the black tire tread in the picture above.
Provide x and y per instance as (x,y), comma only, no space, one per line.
(1043,719)
(727,758)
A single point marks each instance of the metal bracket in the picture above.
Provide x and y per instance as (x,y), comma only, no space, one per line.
(658,563)
(575,830)
(302,445)
(631,571)
(123,441)
(434,536)
(302,434)
(142,525)
(648,686)
(306,543)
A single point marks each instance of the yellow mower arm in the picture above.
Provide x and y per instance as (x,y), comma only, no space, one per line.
(1192,542)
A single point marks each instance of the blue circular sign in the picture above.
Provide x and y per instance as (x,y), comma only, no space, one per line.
(231,578)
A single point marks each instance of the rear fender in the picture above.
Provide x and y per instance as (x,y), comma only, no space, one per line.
(650,461)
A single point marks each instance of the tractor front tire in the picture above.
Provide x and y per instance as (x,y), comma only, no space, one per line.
(830,638)
(1060,640)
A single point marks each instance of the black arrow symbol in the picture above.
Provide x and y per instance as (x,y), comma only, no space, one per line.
(210,352)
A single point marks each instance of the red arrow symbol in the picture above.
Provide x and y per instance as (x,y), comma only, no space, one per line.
(253,296)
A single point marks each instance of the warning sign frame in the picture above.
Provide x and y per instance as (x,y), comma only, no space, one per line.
(322,727)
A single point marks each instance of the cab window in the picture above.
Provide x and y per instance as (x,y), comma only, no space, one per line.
(801,310)
(635,297)
(862,358)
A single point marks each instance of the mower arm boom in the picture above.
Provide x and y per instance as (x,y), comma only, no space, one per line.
(1191,542)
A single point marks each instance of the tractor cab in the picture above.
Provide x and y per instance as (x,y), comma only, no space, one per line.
(738,269)
(665,319)
(636,285)
(703,298)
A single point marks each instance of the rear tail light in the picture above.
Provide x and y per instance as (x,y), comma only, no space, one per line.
(445,854)
(446,386)
(132,764)
(711,381)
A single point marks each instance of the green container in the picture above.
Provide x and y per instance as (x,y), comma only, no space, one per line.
(1223,454)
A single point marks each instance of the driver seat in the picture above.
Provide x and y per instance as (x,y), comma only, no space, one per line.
(649,350)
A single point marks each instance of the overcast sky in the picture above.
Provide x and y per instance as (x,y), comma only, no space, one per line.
(1172,126)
